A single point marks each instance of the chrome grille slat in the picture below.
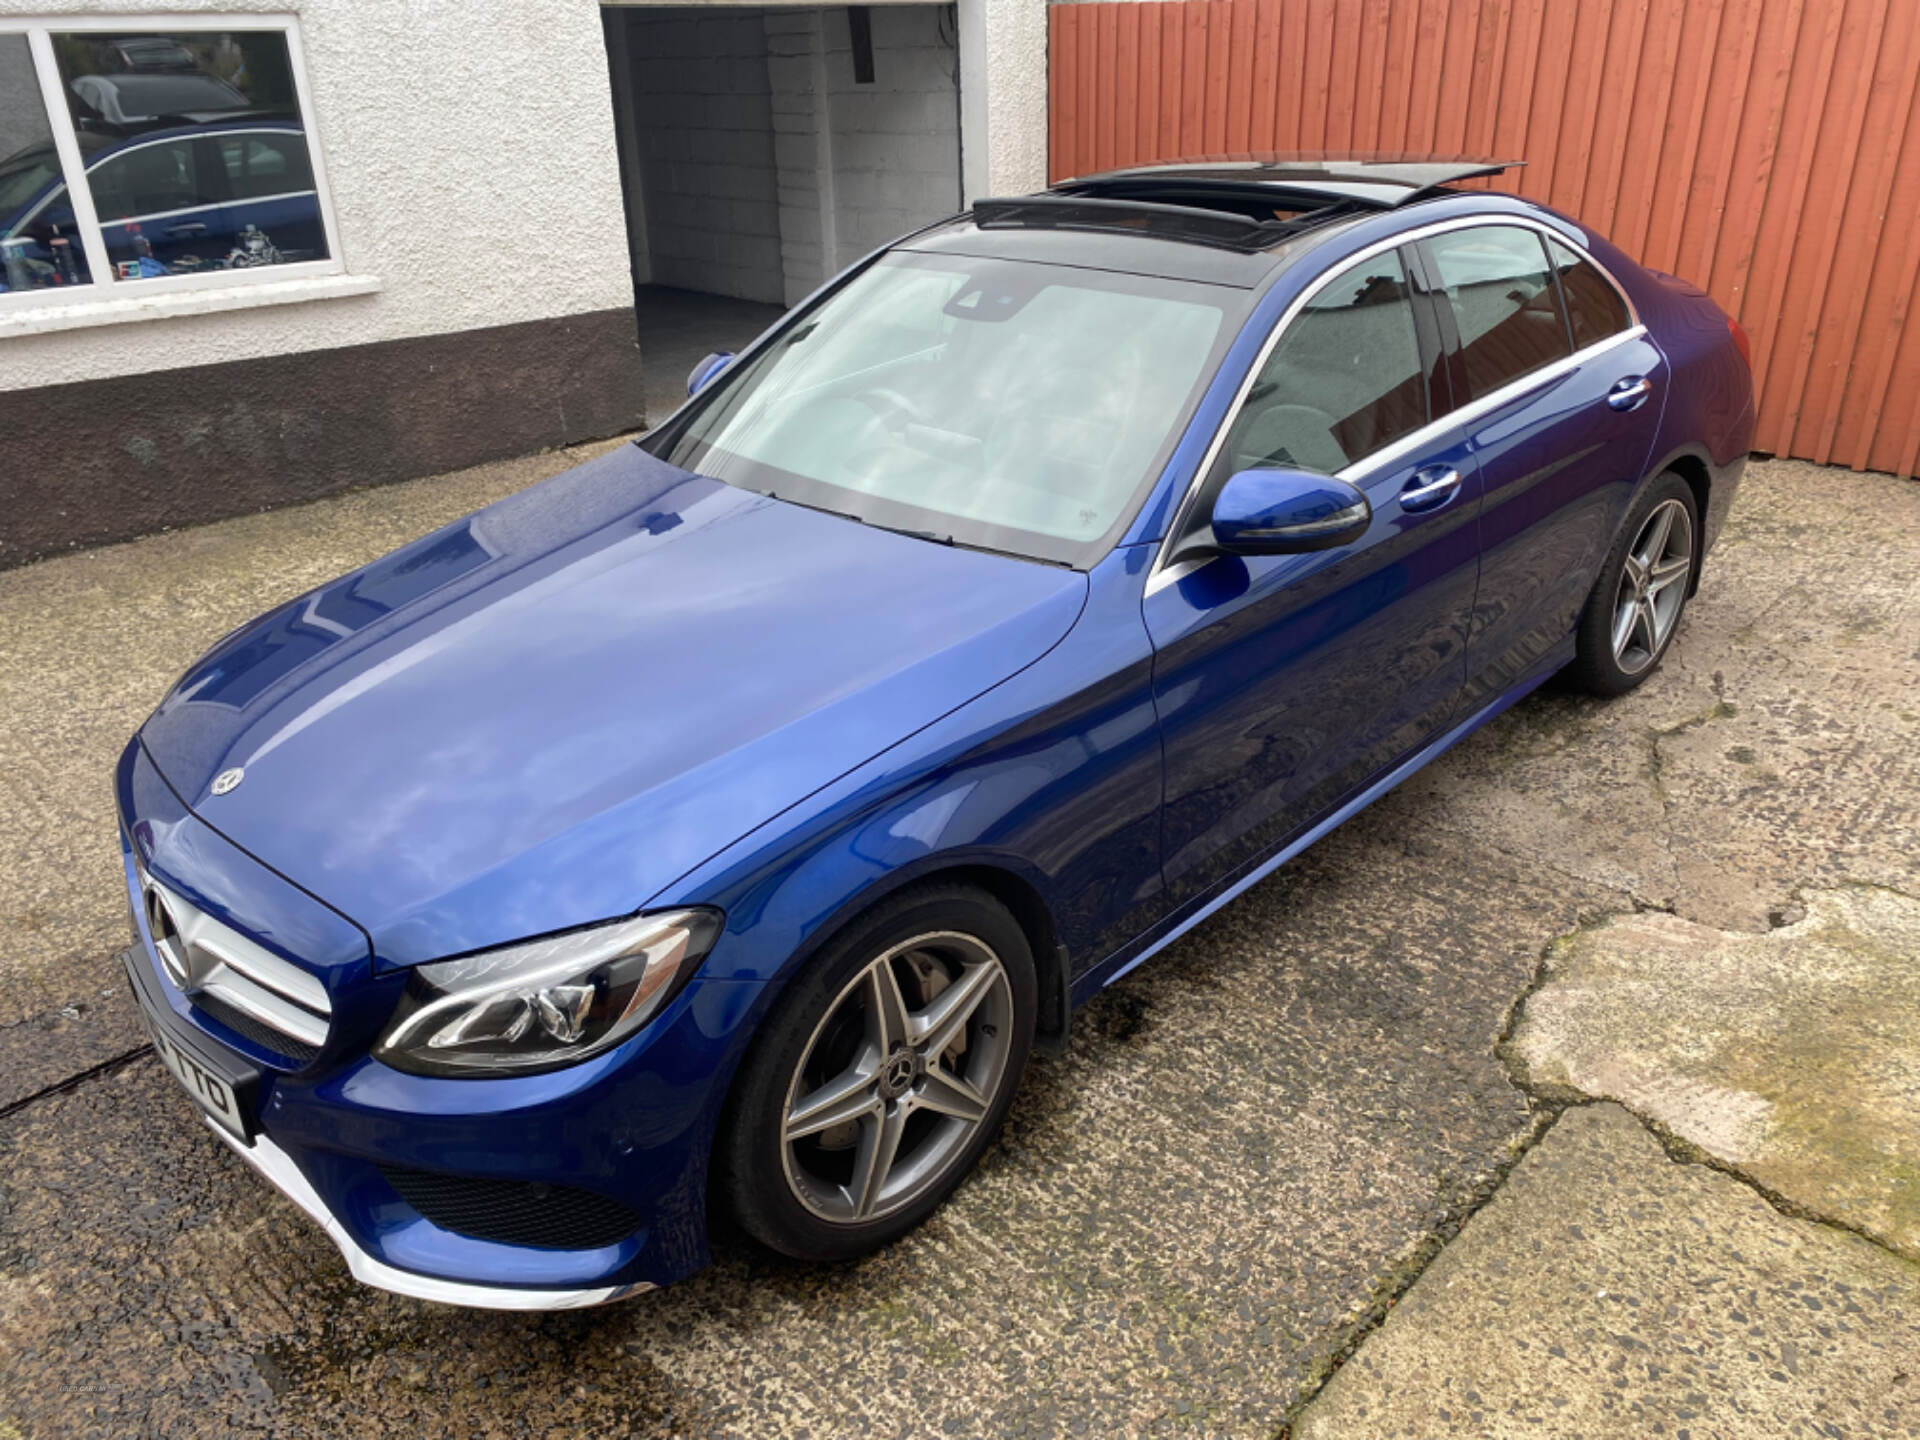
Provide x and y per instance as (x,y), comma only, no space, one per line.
(205,956)
(266,1007)
(261,967)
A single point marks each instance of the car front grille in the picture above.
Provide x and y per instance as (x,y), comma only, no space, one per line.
(515,1212)
(249,989)
(293,1051)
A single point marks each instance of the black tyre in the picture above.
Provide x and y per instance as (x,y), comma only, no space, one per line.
(880,1077)
(1634,609)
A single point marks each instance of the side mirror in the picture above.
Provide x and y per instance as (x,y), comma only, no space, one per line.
(698,377)
(1284,512)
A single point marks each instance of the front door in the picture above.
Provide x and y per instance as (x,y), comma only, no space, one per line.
(1284,683)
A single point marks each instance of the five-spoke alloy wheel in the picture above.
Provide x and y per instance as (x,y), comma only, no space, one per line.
(899,1074)
(885,1071)
(1634,608)
(1652,587)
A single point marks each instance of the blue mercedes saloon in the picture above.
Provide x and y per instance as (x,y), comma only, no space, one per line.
(717,829)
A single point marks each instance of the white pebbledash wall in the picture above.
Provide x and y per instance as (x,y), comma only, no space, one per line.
(704,127)
(860,164)
(470,152)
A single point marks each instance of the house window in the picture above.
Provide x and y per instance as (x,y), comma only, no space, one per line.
(146,155)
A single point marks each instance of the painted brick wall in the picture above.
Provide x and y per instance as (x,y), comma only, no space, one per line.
(704,119)
(859,164)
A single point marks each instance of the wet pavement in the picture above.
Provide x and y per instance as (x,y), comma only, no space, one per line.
(1256,1144)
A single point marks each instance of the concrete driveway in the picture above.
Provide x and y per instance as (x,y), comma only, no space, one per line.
(1489,1091)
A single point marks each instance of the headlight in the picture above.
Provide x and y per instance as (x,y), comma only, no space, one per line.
(545,1003)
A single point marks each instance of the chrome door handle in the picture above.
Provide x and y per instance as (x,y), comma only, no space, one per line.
(1628,393)
(1430,488)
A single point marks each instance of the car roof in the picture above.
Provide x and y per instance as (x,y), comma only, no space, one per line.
(1224,220)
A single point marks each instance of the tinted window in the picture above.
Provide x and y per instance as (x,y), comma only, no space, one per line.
(1504,302)
(1344,380)
(1594,308)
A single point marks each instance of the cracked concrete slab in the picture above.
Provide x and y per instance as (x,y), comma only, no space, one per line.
(1778,746)
(1793,1057)
(1609,1291)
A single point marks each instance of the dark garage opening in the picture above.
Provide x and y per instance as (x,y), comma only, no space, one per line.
(764,149)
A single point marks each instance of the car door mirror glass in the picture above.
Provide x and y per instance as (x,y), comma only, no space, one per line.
(1276,511)
(698,377)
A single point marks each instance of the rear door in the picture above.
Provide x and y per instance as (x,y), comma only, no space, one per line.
(1285,682)
(1561,393)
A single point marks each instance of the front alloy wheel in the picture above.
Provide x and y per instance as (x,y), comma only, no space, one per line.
(881,1074)
(897,1077)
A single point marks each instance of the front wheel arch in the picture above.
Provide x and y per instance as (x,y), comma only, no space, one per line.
(738,1193)
(1002,882)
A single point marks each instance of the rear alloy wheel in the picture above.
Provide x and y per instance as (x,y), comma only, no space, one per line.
(1635,606)
(882,1076)
(1653,587)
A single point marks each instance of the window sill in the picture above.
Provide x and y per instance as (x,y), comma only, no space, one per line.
(164,305)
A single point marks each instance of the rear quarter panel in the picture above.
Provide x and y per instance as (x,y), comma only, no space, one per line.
(1710,407)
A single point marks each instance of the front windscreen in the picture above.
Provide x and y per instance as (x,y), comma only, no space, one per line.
(1003,404)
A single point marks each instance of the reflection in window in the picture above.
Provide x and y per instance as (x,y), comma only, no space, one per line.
(1344,380)
(1030,398)
(39,244)
(196,157)
(1504,302)
(1594,308)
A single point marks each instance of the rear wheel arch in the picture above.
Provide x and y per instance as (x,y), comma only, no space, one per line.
(1692,469)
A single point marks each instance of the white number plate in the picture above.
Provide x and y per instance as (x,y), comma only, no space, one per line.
(212,1093)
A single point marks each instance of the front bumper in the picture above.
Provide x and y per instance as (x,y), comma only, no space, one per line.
(273,1163)
(349,1139)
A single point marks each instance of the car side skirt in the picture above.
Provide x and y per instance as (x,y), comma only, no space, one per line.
(1126,960)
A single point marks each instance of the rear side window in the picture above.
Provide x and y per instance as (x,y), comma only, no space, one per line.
(1594,308)
(1504,302)
(1344,380)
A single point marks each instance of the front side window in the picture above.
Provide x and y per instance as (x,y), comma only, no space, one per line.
(190,143)
(1594,308)
(1505,304)
(1004,404)
(1344,380)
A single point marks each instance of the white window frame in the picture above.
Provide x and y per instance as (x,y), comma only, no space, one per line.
(104,287)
